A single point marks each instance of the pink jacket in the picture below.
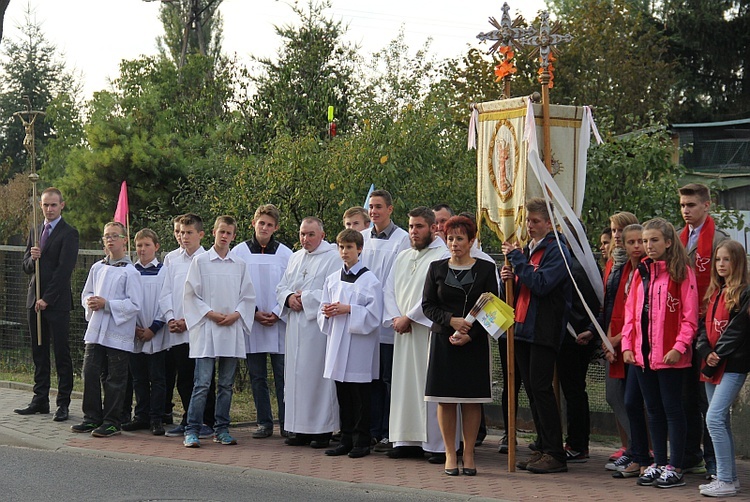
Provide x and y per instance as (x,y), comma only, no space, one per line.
(632,331)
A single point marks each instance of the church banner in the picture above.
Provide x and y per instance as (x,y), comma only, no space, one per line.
(504,182)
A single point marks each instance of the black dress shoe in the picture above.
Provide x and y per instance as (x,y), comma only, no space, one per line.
(32,409)
(298,440)
(469,472)
(406,452)
(359,452)
(452,472)
(339,450)
(319,443)
(436,458)
(61,414)
(157,428)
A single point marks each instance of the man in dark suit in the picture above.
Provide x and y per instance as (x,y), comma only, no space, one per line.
(57,252)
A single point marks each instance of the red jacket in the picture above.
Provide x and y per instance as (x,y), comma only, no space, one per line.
(632,330)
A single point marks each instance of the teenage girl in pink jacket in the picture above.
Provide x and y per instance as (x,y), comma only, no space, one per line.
(661,319)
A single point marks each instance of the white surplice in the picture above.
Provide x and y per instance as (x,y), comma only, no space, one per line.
(352,353)
(113,326)
(413,422)
(266,271)
(224,286)
(173,292)
(379,255)
(150,312)
(309,399)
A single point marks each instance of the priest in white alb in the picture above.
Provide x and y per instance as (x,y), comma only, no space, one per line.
(413,422)
(311,408)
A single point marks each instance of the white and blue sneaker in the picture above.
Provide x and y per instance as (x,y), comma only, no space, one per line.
(191,440)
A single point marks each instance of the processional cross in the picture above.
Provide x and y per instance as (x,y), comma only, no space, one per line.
(509,34)
(544,40)
(28,119)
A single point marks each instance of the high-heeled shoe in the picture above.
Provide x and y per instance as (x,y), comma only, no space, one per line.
(452,472)
(469,471)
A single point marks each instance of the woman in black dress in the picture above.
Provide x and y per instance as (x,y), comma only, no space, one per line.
(458,371)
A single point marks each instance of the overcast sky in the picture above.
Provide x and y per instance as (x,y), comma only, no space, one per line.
(95,35)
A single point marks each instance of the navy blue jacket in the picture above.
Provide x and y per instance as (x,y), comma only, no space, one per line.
(551,293)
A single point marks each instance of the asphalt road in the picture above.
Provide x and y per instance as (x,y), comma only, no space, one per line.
(47,475)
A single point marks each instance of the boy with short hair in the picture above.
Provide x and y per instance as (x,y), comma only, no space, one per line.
(543,304)
(111,299)
(356,218)
(219,307)
(176,232)
(266,260)
(383,242)
(172,306)
(147,364)
(351,313)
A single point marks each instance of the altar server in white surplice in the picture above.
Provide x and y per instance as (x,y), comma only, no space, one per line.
(351,314)
(310,400)
(413,422)
(383,242)
(266,260)
(111,299)
(219,308)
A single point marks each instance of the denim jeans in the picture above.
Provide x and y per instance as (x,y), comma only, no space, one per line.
(662,392)
(149,384)
(719,422)
(204,367)
(96,359)
(258,371)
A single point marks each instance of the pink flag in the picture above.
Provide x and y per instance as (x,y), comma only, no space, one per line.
(121,213)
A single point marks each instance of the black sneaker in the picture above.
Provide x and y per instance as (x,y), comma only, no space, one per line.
(669,478)
(135,425)
(105,431)
(651,474)
(84,427)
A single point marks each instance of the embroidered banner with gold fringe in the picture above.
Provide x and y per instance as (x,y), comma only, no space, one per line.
(504,182)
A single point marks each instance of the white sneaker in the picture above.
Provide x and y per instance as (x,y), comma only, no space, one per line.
(735,482)
(718,488)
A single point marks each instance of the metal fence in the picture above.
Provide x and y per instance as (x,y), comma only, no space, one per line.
(15,341)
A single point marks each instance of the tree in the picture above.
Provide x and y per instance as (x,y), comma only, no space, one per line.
(710,40)
(190,27)
(157,125)
(617,63)
(3,7)
(35,77)
(635,173)
(313,71)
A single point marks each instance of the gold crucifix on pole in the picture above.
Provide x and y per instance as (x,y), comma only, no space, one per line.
(28,119)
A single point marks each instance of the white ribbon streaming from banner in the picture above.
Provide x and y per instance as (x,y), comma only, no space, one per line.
(582,252)
(473,124)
